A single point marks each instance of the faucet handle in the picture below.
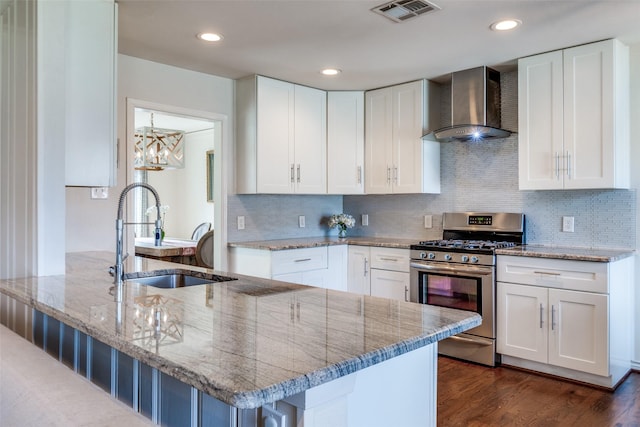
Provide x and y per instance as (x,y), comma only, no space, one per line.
(112,271)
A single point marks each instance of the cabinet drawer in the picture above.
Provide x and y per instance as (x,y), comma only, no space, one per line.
(295,260)
(554,273)
(390,259)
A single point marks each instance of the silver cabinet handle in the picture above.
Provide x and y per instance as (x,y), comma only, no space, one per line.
(406,293)
(388,175)
(553,318)
(302,260)
(292,173)
(548,273)
(557,165)
(366,267)
(395,174)
(568,164)
(359,174)
(540,315)
(298,173)
(389,259)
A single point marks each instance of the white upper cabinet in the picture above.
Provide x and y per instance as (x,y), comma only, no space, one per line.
(397,159)
(281,137)
(77,61)
(573,127)
(345,142)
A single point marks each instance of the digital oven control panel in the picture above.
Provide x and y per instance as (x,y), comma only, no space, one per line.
(480,220)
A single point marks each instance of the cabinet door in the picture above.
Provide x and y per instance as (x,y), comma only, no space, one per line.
(589,133)
(378,136)
(359,280)
(522,321)
(310,120)
(275,133)
(540,122)
(390,284)
(345,142)
(408,117)
(578,331)
(89,66)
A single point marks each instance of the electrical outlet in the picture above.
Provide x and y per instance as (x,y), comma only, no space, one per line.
(365,220)
(240,222)
(428,221)
(301,221)
(567,224)
(99,192)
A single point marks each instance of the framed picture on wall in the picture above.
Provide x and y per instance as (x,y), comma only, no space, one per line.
(210,176)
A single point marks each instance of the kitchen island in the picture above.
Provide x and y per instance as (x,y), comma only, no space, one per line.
(228,351)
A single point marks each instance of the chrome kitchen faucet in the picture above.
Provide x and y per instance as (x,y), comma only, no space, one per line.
(118,270)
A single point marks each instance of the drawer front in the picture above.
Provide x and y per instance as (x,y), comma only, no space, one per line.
(554,273)
(296,260)
(390,259)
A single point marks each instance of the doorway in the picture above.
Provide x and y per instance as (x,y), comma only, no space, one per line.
(189,195)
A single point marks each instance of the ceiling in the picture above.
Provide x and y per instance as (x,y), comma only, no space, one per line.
(293,40)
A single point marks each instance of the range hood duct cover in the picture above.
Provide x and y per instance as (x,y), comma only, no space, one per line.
(475,107)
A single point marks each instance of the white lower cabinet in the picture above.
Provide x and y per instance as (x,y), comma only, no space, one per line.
(566,318)
(562,328)
(376,271)
(323,266)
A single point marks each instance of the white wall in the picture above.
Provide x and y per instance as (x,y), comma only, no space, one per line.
(90,224)
(185,190)
(634,54)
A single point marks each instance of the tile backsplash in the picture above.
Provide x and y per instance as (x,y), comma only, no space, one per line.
(478,177)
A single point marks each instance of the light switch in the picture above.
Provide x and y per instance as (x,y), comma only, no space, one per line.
(428,221)
(301,221)
(365,220)
(240,222)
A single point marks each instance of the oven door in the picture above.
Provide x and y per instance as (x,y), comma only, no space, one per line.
(459,286)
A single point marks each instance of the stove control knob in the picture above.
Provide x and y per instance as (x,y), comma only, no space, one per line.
(474,259)
(432,255)
(447,257)
(465,258)
(423,255)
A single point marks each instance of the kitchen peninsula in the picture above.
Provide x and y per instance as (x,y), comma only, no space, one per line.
(227,351)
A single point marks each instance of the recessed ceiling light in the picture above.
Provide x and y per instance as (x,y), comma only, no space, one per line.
(505,25)
(210,37)
(331,71)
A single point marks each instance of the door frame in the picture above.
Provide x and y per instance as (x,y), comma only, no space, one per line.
(221,166)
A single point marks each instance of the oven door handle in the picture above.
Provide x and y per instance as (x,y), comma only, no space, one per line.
(448,270)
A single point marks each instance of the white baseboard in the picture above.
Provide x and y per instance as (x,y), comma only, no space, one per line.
(635,365)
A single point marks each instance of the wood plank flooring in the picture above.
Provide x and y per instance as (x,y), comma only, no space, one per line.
(473,395)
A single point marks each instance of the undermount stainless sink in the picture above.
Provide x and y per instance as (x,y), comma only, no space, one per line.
(175,279)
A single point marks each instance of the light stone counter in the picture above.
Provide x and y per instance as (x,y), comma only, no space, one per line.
(567,253)
(311,242)
(245,342)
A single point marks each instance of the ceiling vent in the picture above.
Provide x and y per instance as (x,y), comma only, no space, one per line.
(403,10)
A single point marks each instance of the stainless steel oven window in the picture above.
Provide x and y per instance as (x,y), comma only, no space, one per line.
(453,291)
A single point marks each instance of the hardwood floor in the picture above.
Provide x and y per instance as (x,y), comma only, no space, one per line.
(473,395)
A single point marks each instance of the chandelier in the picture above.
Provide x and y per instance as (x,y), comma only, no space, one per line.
(157,149)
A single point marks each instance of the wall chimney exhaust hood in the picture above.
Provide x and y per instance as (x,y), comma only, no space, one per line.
(475,107)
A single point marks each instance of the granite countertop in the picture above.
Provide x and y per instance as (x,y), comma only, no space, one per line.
(311,242)
(245,342)
(568,253)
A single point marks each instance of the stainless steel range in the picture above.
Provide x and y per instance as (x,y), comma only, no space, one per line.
(459,272)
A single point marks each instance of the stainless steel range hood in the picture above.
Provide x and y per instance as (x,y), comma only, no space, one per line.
(475,107)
